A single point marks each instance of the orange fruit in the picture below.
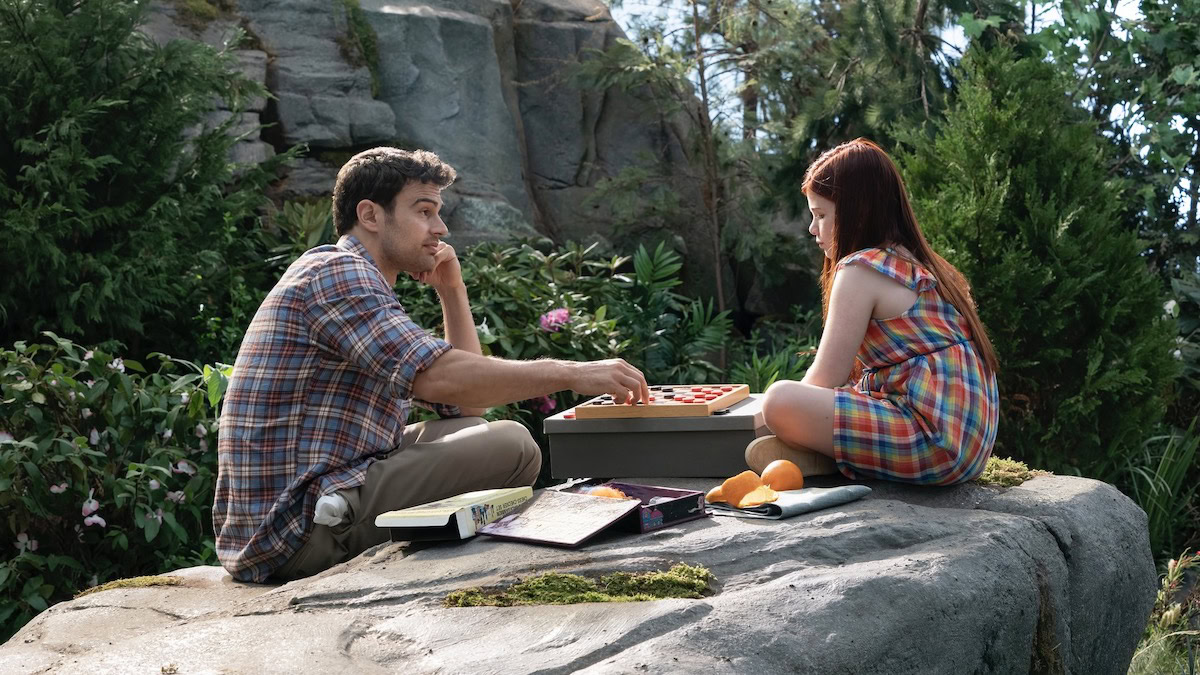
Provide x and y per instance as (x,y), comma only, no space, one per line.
(714,495)
(783,475)
(759,495)
(733,489)
(606,491)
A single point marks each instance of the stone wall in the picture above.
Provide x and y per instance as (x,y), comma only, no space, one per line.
(483,83)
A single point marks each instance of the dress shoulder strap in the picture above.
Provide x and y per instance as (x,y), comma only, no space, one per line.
(888,262)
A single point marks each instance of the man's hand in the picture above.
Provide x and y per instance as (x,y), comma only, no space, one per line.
(446,273)
(612,376)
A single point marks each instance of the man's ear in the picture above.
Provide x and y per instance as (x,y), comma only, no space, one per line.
(370,215)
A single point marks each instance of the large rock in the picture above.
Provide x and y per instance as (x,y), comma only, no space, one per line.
(484,83)
(323,100)
(1054,576)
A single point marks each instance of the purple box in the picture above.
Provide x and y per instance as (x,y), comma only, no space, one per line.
(681,505)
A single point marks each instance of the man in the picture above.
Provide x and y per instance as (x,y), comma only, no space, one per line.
(323,382)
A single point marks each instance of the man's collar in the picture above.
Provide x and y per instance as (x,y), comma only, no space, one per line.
(351,243)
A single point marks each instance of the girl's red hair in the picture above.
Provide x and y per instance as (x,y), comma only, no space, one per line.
(871,209)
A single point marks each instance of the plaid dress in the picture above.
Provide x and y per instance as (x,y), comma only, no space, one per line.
(925,410)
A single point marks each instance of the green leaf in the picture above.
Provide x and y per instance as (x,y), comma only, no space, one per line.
(176,528)
(38,398)
(152,527)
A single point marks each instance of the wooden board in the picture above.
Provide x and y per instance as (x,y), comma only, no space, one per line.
(661,406)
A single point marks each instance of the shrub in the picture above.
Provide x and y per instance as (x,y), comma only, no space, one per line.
(106,471)
(1011,188)
(119,208)
(578,304)
(776,351)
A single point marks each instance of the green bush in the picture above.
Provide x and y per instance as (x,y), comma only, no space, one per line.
(610,310)
(120,211)
(776,351)
(1011,188)
(106,471)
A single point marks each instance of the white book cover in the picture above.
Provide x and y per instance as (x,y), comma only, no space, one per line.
(468,511)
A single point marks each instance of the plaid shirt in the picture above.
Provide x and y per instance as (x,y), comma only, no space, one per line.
(322,385)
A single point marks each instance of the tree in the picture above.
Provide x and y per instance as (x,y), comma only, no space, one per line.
(118,206)
(1012,187)
(1139,78)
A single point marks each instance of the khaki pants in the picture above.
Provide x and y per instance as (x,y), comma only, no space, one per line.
(436,459)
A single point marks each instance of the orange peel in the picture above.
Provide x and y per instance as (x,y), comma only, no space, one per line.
(759,495)
(606,491)
(714,495)
(736,487)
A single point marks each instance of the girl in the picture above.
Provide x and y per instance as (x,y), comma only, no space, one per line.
(921,404)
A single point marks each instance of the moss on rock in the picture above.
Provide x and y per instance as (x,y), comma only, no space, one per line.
(133,582)
(553,588)
(1007,472)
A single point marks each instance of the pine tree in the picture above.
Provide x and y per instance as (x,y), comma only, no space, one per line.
(1012,188)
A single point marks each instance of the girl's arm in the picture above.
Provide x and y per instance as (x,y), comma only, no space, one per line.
(852,300)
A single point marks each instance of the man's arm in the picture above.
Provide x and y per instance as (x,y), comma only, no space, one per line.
(459,377)
(460,329)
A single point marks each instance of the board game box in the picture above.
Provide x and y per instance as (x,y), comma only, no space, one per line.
(569,516)
(709,446)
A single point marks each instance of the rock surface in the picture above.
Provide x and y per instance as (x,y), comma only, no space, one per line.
(486,84)
(1054,576)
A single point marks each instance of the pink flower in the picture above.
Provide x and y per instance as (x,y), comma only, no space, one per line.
(87,356)
(24,543)
(154,485)
(544,404)
(183,398)
(203,445)
(166,434)
(5,436)
(201,432)
(117,365)
(58,489)
(554,319)
(95,520)
(176,496)
(183,467)
(91,505)
(94,437)
(156,515)
(85,413)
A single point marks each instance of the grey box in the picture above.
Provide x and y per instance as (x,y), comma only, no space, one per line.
(651,447)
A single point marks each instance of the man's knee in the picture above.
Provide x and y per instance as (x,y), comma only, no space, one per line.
(512,437)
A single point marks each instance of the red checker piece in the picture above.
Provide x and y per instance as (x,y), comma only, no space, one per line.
(726,388)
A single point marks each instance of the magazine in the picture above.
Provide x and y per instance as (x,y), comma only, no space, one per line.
(794,502)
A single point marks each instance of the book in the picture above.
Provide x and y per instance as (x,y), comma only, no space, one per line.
(794,502)
(458,517)
(563,518)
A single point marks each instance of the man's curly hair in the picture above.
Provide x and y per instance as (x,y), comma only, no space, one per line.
(379,174)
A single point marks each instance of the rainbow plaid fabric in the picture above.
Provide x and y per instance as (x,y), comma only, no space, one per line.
(926,409)
(321,387)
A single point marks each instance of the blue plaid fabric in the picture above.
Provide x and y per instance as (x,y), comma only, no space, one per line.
(322,385)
